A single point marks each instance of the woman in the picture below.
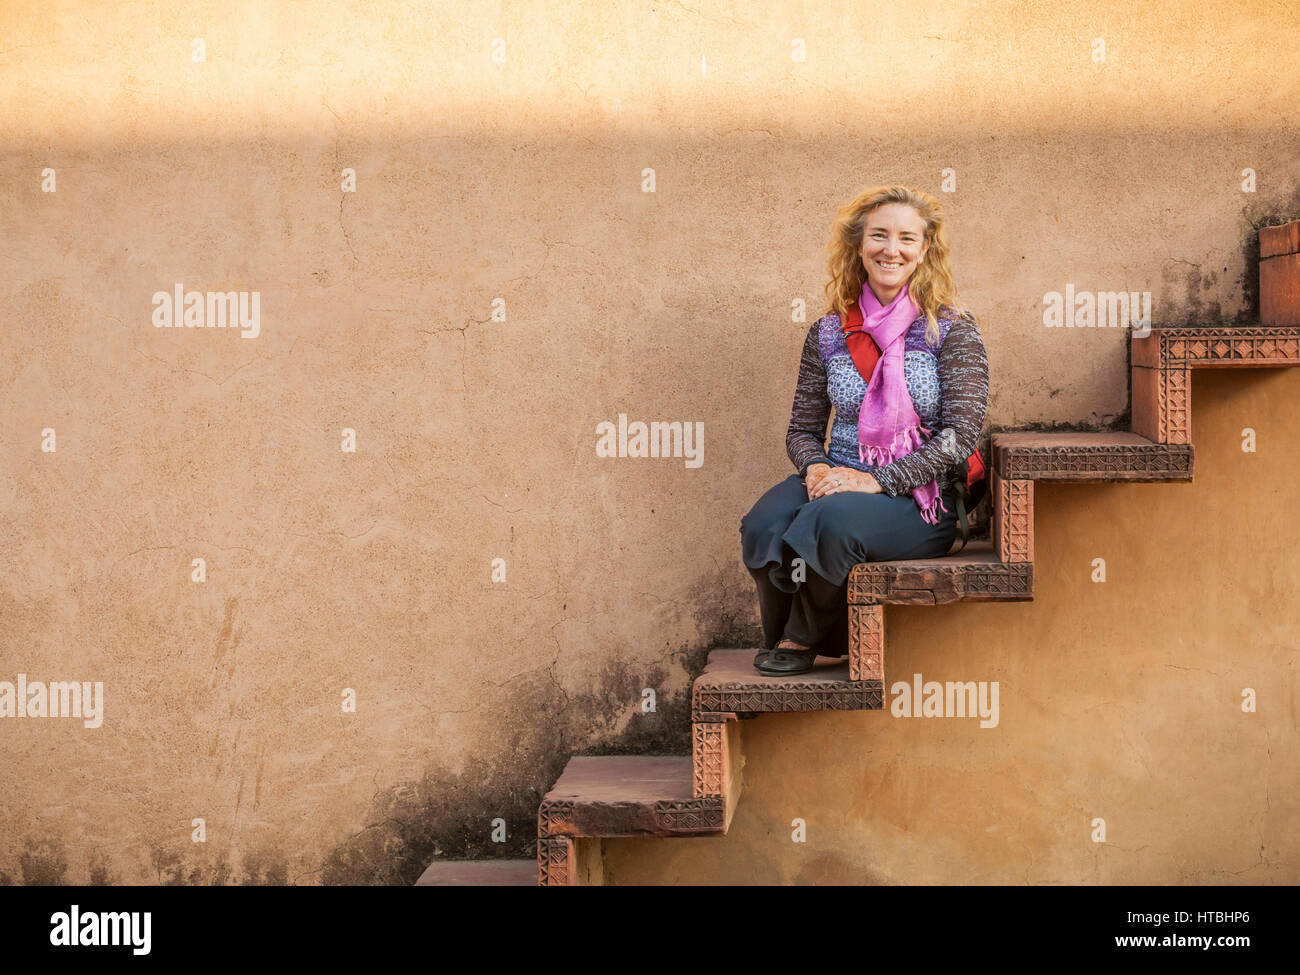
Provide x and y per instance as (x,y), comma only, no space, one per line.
(881,490)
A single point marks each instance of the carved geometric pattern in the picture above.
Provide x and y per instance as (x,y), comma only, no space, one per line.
(554,861)
(867,642)
(1101,462)
(659,818)
(1217,347)
(1161,402)
(552,814)
(1010,585)
(731,688)
(695,816)
(708,753)
(1174,386)
(787,696)
(1013,519)
(929,581)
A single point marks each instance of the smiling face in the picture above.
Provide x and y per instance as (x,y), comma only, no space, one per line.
(893,246)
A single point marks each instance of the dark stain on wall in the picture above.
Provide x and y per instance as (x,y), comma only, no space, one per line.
(43,863)
(526,744)
(100,876)
(448,815)
(259,869)
(1186,297)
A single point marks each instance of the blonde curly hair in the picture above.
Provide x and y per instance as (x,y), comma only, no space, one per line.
(931,285)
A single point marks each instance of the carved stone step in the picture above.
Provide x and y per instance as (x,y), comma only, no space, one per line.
(479,873)
(1163,360)
(1218,347)
(730,684)
(637,795)
(973,575)
(1088,457)
(628,795)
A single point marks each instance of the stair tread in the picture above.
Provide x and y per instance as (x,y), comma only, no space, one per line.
(629,795)
(479,873)
(730,684)
(978,552)
(736,666)
(1217,346)
(1111,438)
(624,778)
(1088,457)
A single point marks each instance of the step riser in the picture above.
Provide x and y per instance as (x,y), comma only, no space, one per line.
(1279,274)
(1279,290)
(1013,519)
(718,759)
(568,862)
(1162,404)
(867,642)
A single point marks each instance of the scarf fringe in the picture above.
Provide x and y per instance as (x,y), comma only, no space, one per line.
(930,512)
(904,442)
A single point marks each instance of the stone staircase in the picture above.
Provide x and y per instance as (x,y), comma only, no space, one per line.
(623,796)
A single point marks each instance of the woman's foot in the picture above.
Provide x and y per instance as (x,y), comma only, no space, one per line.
(766,652)
(787,659)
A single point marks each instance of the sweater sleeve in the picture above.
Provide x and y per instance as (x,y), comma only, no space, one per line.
(805,440)
(963,401)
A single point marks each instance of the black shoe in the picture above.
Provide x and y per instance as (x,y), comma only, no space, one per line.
(763,654)
(787,663)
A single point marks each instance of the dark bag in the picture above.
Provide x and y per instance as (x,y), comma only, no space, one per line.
(969,485)
(969,480)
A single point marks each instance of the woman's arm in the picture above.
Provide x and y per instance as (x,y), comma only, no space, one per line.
(964,396)
(805,440)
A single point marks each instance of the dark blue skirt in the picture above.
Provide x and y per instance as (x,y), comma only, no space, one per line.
(834,533)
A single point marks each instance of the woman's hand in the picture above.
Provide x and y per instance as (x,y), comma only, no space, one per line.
(837,480)
(813,476)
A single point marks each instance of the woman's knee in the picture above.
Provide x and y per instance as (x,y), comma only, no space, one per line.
(773,511)
(851,527)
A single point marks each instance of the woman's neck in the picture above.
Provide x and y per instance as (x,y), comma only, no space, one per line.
(884,297)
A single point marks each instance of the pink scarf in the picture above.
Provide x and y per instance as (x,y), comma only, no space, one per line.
(888,427)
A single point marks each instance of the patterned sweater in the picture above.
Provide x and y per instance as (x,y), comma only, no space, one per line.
(949,387)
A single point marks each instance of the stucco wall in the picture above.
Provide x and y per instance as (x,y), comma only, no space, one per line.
(522,180)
